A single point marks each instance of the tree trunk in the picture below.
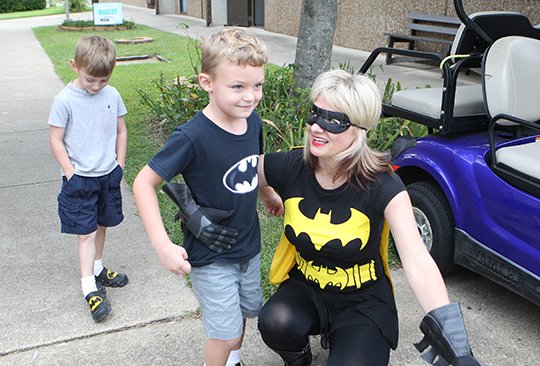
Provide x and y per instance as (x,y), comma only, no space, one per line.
(315,40)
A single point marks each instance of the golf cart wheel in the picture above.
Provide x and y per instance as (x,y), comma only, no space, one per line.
(434,221)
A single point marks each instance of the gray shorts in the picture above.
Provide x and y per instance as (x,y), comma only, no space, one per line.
(228,293)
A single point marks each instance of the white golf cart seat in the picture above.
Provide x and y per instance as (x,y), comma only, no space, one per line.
(427,101)
(511,77)
(524,158)
(455,108)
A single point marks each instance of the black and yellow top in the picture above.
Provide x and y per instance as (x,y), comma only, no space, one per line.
(336,232)
(337,235)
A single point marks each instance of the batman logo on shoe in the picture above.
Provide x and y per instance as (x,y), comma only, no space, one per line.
(94,302)
(111,274)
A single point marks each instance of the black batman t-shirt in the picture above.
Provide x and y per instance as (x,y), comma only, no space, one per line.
(220,169)
(336,232)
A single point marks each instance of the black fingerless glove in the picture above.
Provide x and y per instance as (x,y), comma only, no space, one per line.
(444,330)
(201,221)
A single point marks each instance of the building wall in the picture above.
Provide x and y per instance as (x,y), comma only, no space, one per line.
(196,8)
(282,16)
(361,23)
(141,3)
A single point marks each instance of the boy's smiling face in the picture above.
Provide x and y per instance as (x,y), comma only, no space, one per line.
(234,91)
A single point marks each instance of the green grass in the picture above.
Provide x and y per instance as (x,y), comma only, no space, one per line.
(143,138)
(34,13)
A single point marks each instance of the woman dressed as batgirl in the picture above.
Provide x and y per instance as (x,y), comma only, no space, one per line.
(339,197)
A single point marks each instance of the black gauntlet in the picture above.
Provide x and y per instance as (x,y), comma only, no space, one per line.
(201,221)
(444,330)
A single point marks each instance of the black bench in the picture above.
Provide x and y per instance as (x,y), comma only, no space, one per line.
(435,29)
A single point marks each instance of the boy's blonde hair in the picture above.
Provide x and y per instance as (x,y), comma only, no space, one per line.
(234,45)
(95,55)
(359,98)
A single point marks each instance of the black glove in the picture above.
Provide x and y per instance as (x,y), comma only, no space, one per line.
(444,330)
(201,221)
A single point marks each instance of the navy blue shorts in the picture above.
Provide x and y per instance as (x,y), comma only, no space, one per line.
(86,202)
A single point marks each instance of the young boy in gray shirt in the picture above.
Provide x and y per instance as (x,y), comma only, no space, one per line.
(88,138)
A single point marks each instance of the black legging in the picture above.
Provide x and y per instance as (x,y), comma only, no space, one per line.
(289,317)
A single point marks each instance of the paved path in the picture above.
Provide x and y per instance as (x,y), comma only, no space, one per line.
(43,320)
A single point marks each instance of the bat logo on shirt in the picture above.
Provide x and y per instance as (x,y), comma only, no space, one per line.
(242,177)
(322,228)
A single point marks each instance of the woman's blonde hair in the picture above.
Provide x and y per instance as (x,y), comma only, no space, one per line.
(358,97)
(233,44)
(95,55)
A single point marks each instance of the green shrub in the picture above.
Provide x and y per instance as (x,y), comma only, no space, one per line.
(127,24)
(10,6)
(284,109)
(177,101)
(390,128)
(77,5)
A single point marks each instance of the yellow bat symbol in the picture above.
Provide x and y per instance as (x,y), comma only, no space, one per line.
(321,230)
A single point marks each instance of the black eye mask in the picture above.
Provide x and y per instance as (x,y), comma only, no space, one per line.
(334,122)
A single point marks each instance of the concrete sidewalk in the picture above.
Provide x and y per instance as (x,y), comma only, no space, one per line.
(43,319)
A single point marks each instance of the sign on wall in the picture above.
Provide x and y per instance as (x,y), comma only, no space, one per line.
(107,13)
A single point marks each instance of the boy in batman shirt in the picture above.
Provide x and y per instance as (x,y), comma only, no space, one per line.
(216,152)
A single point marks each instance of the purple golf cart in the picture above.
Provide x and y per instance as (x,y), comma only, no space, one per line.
(474,180)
